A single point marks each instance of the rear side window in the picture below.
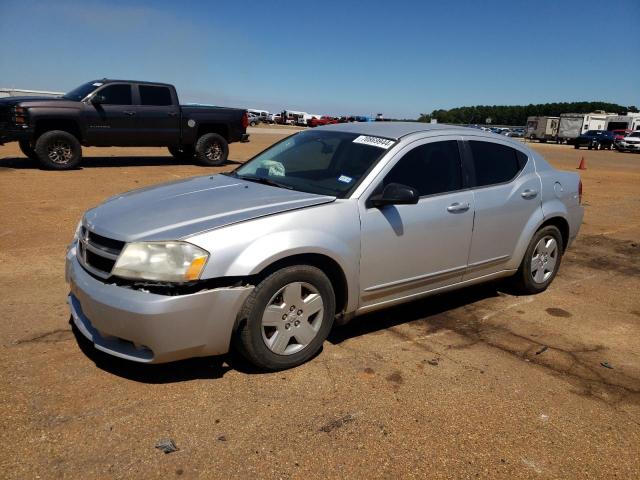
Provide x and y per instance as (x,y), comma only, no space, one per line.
(431,168)
(116,95)
(159,96)
(494,163)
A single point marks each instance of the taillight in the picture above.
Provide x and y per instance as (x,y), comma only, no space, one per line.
(245,120)
(580,193)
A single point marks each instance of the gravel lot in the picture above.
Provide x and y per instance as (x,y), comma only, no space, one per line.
(476,383)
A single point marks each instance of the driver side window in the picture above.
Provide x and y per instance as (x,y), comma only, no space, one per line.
(431,168)
(116,94)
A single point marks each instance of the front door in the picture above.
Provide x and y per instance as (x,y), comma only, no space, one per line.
(111,122)
(407,250)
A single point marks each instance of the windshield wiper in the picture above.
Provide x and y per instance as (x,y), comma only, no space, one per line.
(264,181)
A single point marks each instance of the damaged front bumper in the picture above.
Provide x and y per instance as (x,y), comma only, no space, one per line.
(151,328)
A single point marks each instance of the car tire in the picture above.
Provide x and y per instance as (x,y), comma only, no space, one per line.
(27,149)
(58,150)
(541,261)
(212,149)
(275,312)
(182,152)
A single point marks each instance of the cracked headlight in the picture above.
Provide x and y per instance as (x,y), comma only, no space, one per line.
(161,261)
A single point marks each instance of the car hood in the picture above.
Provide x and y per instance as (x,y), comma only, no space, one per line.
(15,100)
(183,208)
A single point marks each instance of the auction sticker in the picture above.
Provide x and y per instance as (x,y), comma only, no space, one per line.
(374,141)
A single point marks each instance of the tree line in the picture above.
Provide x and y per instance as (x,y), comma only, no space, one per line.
(517,114)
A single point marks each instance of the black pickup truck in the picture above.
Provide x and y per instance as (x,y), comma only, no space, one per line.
(118,113)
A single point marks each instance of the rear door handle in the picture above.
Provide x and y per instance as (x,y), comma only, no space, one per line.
(173,114)
(529,193)
(129,112)
(458,207)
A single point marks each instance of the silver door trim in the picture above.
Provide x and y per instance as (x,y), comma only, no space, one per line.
(485,263)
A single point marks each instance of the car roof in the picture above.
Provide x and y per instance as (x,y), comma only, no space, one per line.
(113,80)
(397,130)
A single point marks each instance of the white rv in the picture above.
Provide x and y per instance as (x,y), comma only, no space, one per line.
(570,127)
(16,92)
(630,121)
(542,128)
(595,121)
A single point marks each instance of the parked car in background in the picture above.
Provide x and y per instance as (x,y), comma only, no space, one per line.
(325,225)
(109,113)
(630,143)
(274,118)
(323,120)
(595,139)
(262,115)
(254,119)
(620,134)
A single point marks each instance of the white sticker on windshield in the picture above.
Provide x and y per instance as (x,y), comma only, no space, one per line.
(98,84)
(374,141)
(344,179)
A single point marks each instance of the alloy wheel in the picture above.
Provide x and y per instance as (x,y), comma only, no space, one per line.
(59,152)
(292,318)
(544,259)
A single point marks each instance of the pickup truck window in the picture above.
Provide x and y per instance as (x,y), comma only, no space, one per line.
(158,96)
(324,163)
(118,94)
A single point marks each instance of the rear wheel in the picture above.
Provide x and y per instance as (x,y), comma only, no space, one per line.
(212,149)
(58,150)
(286,318)
(182,152)
(541,261)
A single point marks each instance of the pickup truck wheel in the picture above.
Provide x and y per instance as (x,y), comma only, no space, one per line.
(286,318)
(212,149)
(27,149)
(58,150)
(182,152)
(541,261)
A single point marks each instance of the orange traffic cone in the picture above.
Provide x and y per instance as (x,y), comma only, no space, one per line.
(583,165)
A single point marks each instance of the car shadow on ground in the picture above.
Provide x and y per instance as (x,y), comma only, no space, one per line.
(21,163)
(429,310)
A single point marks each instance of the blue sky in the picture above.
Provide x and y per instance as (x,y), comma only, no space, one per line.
(337,57)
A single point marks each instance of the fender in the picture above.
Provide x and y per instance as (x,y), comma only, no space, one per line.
(268,249)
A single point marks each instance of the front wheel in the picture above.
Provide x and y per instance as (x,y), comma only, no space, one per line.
(286,318)
(58,150)
(212,149)
(541,261)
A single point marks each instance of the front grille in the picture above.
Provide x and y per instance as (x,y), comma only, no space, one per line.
(98,254)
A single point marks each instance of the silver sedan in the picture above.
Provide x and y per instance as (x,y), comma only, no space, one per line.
(323,226)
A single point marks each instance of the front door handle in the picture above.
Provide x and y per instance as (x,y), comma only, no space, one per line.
(458,207)
(129,113)
(173,114)
(529,193)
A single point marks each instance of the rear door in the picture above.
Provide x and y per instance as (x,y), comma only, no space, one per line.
(507,195)
(111,122)
(157,117)
(410,249)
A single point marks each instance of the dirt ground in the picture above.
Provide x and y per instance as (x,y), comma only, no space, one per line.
(475,383)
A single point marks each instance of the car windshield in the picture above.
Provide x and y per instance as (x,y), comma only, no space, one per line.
(82,91)
(324,163)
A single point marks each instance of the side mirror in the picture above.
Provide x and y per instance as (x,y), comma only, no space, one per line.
(98,99)
(395,194)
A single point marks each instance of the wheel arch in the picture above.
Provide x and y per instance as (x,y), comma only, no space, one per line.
(330,267)
(561,224)
(219,128)
(66,125)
